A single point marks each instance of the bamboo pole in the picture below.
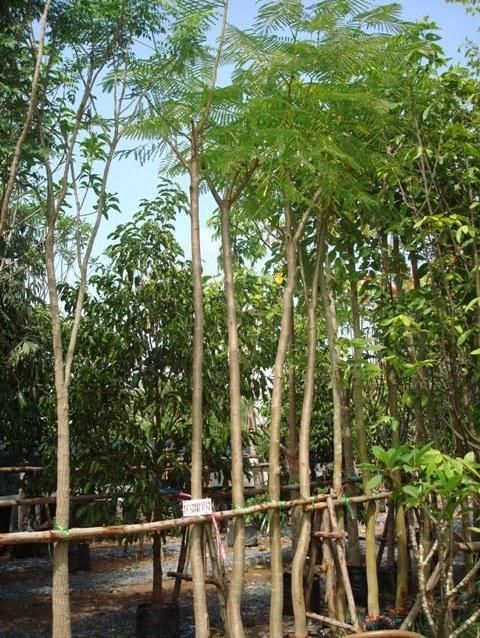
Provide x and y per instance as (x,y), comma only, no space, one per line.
(215,493)
(330,621)
(50,500)
(339,502)
(209,580)
(20,469)
(343,565)
(76,533)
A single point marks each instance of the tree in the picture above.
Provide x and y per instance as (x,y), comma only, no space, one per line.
(82,39)
(137,329)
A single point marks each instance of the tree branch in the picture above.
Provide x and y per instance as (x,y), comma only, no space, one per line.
(28,119)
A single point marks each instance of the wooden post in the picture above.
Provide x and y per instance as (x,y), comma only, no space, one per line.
(385,533)
(218,569)
(313,553)
(343,565)
(330,571)
(181,566)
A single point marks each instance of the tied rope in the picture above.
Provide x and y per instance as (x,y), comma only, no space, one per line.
(218,539)
(348,507)
(60,528)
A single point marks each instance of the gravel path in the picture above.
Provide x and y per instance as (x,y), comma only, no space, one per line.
(27,582)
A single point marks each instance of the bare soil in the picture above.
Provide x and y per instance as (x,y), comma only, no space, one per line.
(104,599)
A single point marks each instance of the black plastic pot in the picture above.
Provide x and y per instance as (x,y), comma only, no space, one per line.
(315,602)
(157,621)
(251,534)
(29,550)
(387,583)
(358,581)
(79,557)
(23,550)
(387,579)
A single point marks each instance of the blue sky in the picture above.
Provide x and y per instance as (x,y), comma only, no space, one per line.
(134,182)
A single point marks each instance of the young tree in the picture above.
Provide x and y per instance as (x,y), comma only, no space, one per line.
(76,147)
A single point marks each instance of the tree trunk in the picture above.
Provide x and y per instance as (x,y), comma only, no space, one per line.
(157,589)
(238,568)
(401,531)
(274,469)
(329,567)
(362,438)
(292,444)
(298,598)
(338,406)
(157,586)
(198,572)
(353,547)
(61,627)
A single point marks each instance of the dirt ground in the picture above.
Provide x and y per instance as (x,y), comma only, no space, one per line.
(104,599)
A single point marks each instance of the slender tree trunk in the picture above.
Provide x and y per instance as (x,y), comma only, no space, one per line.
(157,588)
(238,568)
(329,566)
(338,407)
(292,445)
(401,531)
(353,547)
(61,627)
(292,451)
(362,438)
(298,597)
(198,572)
(274,469)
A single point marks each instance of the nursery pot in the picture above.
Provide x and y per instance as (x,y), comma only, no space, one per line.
(387,583)
(79,557)
(358,581)
(315,603)
(157,621)
(251,534)
(387,578)
(23,550)
(29,550)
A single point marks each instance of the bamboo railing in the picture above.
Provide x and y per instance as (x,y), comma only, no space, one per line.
(216,493)
(20,469)
(76,533)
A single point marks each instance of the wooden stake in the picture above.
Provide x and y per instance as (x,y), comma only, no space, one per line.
(330,621)
(343,565)
(181,566)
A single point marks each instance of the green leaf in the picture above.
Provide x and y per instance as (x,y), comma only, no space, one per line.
(412,491)
(374,482)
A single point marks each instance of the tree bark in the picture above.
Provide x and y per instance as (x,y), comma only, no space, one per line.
(291,240)
(198,572)
(362,439)
(238,568)
(298,564)
(274,469)
(292,444)
(338,406)
(401,532)
(61,627)
(157,589)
